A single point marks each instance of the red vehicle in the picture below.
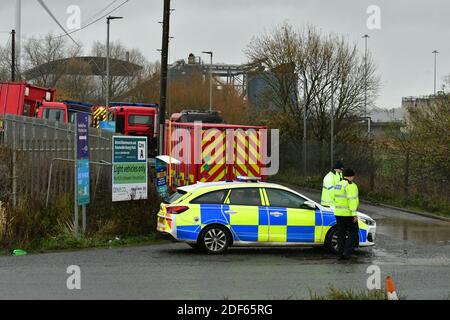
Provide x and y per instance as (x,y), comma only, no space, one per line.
(64,111)
(135,119)
(23,99)
(214,152)
(197,115)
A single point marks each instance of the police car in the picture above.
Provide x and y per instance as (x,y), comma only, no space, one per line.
(215,216)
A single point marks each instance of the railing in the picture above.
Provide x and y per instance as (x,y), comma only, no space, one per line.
(32,145)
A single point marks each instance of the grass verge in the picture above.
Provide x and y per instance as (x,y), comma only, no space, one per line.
(69,242)
(351,294)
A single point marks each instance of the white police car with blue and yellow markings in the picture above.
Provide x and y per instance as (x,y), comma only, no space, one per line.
(215,216)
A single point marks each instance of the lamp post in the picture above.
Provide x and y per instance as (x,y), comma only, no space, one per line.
(366,37)
(210,78)
(332,126)
(435,52)
(108,19)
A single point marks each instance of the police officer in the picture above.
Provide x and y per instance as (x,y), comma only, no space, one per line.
(329,182)
(346,204)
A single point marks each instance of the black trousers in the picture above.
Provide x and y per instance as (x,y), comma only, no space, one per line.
(348,236)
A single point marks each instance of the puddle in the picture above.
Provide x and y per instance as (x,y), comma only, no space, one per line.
(431,233)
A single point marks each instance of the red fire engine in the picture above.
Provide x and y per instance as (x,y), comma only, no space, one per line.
(23,99)
(214,152)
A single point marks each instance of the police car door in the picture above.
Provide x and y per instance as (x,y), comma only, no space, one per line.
(245,211)
(290,220)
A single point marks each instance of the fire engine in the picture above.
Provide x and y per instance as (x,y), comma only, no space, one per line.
(23,99)
(212,151)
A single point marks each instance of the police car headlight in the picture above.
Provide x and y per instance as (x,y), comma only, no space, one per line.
(367,221)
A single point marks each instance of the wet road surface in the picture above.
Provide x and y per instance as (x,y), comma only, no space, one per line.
(414,250)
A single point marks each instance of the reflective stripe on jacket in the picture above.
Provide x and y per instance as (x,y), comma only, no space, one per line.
(329,183)
(346,199)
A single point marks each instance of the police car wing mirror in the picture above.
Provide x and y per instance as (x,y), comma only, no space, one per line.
(309,204)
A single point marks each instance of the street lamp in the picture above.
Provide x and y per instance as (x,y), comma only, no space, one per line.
(108,19)
(366,37)
(435,52)
(210,78)
(332,125)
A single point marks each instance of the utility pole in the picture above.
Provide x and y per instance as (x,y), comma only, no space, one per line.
(13,55)
(108,19)
(107,64)
(435,52)
(164,61)
(210,78)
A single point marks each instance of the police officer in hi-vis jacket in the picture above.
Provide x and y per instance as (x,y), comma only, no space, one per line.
(329,182)
(345,208)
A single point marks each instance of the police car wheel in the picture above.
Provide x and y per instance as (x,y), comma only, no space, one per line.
(332,240)
(214,239)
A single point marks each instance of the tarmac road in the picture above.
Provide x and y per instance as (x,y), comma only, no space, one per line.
(414,250)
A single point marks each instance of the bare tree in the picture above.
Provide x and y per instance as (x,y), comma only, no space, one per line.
(305,69)
(80,85)
(39,55)
(120,84)
(5,63)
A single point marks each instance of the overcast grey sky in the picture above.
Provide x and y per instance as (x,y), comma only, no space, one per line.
(402,49)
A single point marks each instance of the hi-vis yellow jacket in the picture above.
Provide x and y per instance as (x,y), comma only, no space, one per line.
(347,201)
(329,183)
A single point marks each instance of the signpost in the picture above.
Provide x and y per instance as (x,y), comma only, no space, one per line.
(129,168)
(81,154)
(108,126)
(83,182)
(161,177)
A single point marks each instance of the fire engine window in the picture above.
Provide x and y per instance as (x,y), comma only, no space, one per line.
(214,197)
(245,197)
(72,116)
(53,114)
(284,199)
(26,109)
(139,120)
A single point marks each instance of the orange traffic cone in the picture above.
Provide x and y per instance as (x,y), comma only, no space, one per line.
(390,288)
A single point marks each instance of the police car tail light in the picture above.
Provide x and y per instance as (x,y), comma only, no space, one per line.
(176,209)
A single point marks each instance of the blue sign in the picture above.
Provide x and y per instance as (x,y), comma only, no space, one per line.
(83,182)
(161,178)
(82,125)
(108,126)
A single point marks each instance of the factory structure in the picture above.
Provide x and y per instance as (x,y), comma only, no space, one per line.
(248,79)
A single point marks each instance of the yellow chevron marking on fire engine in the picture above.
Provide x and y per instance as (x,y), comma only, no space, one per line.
(213,169)
(208,135)
(217,145)
(240,149)
(253,149)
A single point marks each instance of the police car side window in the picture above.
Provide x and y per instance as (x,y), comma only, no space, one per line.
(245,197)
(284,199)
(214,197)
